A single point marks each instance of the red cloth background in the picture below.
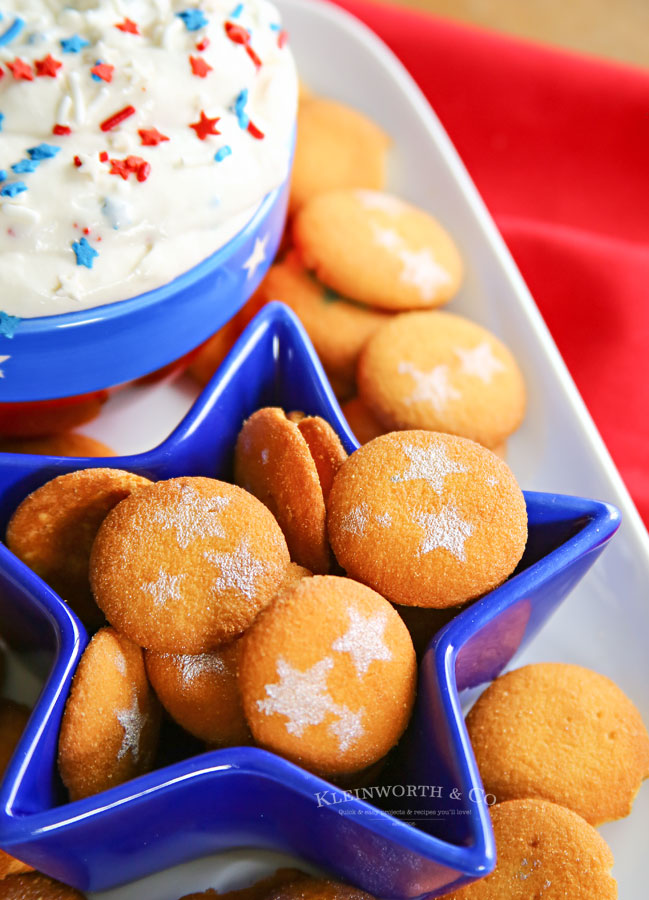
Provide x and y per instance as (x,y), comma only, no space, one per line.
(558,145)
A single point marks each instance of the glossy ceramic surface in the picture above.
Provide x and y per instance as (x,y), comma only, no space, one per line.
(246,797)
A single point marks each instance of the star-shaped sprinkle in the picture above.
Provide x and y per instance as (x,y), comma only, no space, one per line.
(47,67)
(8,325)
(25,165)
(132,721)
(43,151)
(480,361)
(128,26)
(256,258)
(300,696)
(74,44)
(102,72)
(431,387)
(205,126)
(431,464)
(132,165)
(445,529)
(364,640)
(194,19)
(3,359)
(84,253)
(12,190)
(165,587)
(151,137)
(240,570)
(423,272)
(21,70)
(199,66)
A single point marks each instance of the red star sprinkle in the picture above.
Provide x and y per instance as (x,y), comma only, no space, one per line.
(199,66)
(103,71)
(132,165)
(151,137)
(203,45)
(61,129)
(119,167)
(21,71)
(128,26)
(47,67)
(205,126)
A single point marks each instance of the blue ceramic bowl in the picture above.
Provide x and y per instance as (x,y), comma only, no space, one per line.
(245,796)
(80,352)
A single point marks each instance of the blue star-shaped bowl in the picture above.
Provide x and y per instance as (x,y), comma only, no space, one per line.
(244,796)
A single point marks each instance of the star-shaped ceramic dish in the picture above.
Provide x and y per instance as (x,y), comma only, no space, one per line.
(245,796)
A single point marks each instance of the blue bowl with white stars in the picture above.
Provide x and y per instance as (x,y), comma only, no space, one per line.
(79,352)
(422,831)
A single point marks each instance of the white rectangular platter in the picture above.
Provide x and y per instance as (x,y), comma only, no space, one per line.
(605,623)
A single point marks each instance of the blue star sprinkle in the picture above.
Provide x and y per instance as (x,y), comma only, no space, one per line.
(12,32)
(43,151)
(236,12)
(3,175)
(84,253)
(222,152)
(12,190)
(25,165)
(240,109)
(74,44)
(193,19)
(8,324)
(2,118)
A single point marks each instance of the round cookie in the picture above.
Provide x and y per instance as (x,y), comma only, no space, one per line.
(427,519)
(338,328)
(35,886)
(441,372)
(185,565)
(109,731)
(337,147)
(562,733)
(200,692)
(67,443)
(325,448)
(9,865)
(361,421)
(13,719)
(272,460)
(53,530)
(327,676)
(545,852)
(378,250)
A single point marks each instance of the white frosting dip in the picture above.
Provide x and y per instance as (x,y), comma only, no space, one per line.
(63,197)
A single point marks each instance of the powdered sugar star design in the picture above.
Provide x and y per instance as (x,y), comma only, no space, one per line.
(386,237)
(430,387)
(194,516)
(445,529)
(422,271)
(384,202)
(300,696)
(165,587)
(480,362)
(364,640)
(132,721)
(355,521)
(430,464)
(239,569)
(349,726)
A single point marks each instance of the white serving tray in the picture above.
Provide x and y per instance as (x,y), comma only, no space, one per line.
(605,623)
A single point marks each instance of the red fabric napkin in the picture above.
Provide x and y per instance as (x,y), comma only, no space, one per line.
(558,145)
